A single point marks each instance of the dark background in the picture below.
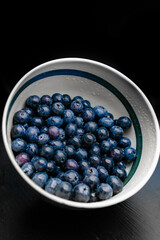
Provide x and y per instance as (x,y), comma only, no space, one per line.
(124,36)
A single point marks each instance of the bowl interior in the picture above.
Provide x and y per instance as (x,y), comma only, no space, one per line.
(101,85)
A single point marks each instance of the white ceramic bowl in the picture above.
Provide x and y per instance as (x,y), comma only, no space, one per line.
(101,85)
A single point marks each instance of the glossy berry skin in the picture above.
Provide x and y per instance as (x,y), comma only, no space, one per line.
(57,97)
(36,121)
(124,142)
(70,129)
(116,132)
(43,111)
(80,154)
(46,99)
(116,154)
(102,173)
(89,139)
(60,157)
(66,100)
(100,111)
(113,142)
(58,108)
(56,144)
(76,106)
(70,151)
(106,122)
(54,121)
(22,158)
(40,178)
(120,172)
(47,151)
(18,131)
(92,181)
(62,135)
(90,171)
(40,164)
(108,163)
(102,133)
(50,168)
(104,191)
(115,183)
(95,150)
(76,141)
(91,127)
(83,165)
(78,99)
(68,116)
(21,117)
(52,185)
(94,160)
(28,168)
(124,122)
(80,132)
(42,139)
(121,164)
(44,129)
(71,164)
(53,132)
(33,101)
(130,154)
(30,111)
(19,145)
(32,134)
(86,103)
(81,193)
(88,114)
(105,146)
(32,149)
(79,122)
(64,190)
(72,177)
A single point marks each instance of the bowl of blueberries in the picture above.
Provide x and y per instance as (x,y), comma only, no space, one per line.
(80,133)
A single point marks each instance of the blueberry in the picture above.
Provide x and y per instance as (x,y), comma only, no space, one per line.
(76,107)
(106,122)
(21,117)
(71,164)
(32,149)
(102,173)
(33,101)
(47,151)
(81,193)
(100,111)
(58,108)
(40,164)
(94,160)
(102,133)
(124,142)
(108,163)
(83,165)
(43,111)
(89,139)
(19,145)
(79,122)
(95,149)
(124,122)
(46,99)
(116,132)
(52,185)
(44,129)
(66,100)
(120,172)
(22,158)
(92,181)
(116,154)
(80,154)
(42,139)
(88,114)
(78,99)
(57,97)
(32,134)
(104,191)
(68,116)
(64,190)
(50,168)
(40,178)
(121,164)
(54,121)
(130,154)
(80,132)
(62,134)
(70,151)
(36,121)
(91,126)
(93,197)
(60,157)
(30,111)
(86,103)
(113,142)
(70,129)
(105,146)
(28,168)
(56,144)
(116,183)
(90,171)
(72,177)
(53,132)
(76,141)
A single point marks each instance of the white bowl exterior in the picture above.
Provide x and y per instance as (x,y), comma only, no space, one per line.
(77,85)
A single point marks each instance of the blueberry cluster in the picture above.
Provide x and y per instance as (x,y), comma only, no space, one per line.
(71,149)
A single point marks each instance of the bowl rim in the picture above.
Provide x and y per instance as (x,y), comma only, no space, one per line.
(59,200)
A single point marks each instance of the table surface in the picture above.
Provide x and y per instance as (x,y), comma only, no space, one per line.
(128,40)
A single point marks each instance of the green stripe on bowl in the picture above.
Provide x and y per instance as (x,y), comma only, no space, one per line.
(110,87)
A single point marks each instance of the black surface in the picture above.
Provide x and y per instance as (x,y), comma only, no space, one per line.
(125,36)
